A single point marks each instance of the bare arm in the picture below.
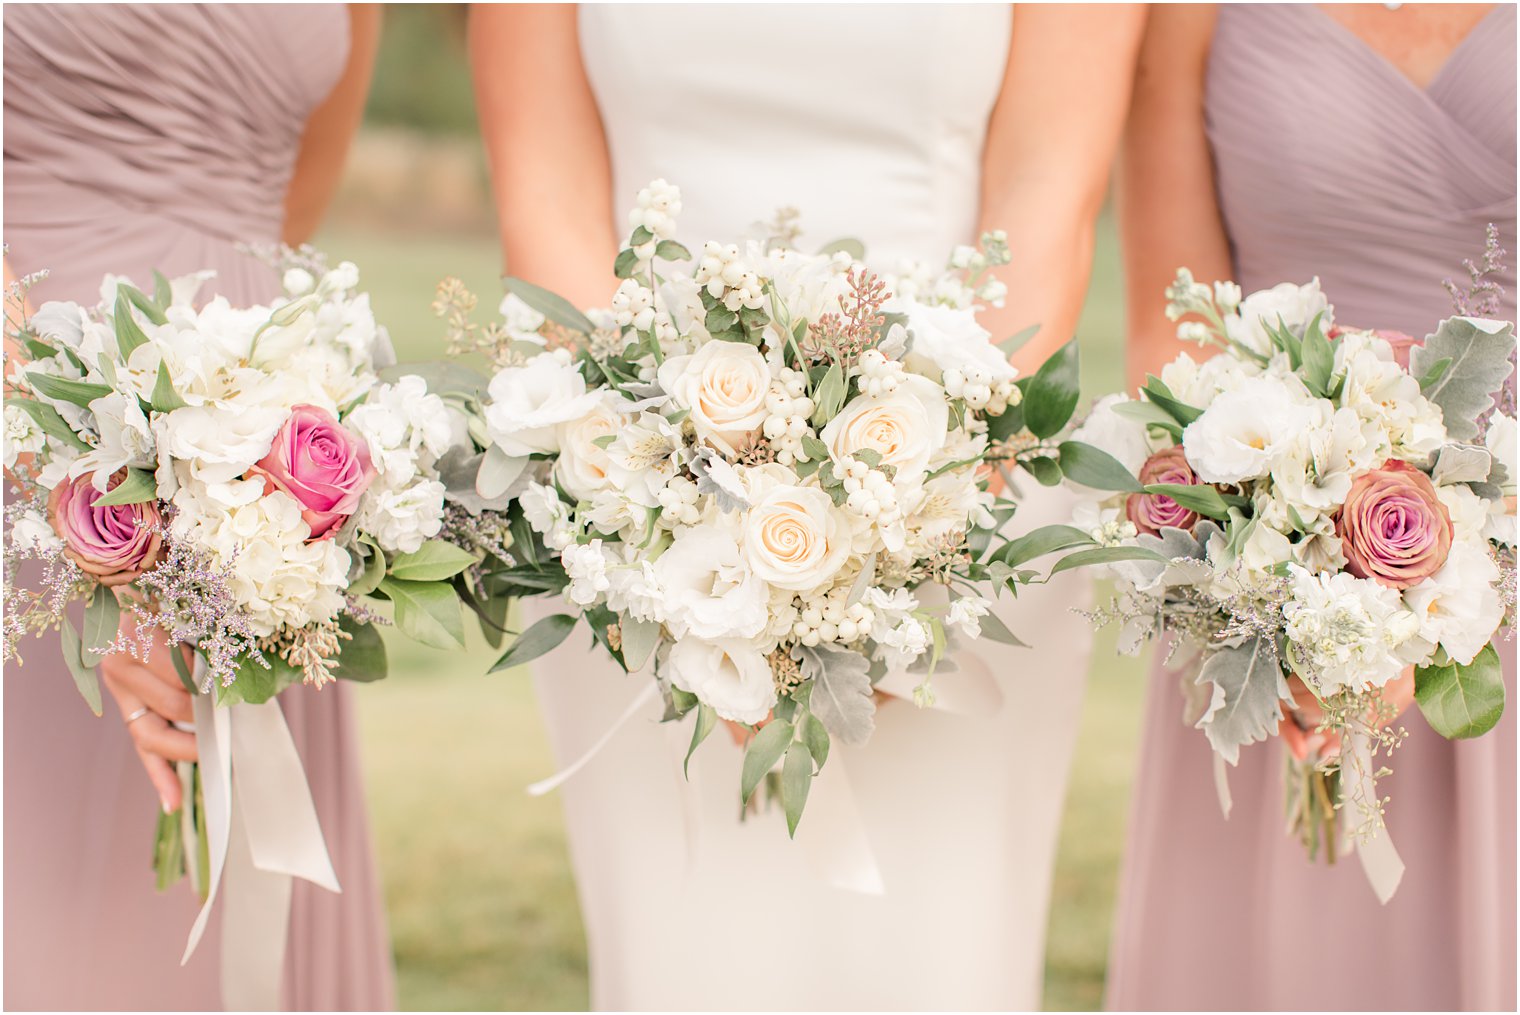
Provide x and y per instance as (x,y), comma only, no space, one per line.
(1168,212)
(550,169)
(1045,168)
(324,144)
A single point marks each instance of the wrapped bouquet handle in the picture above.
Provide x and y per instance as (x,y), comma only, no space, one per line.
(262,831)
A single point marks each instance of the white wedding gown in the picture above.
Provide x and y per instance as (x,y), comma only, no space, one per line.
(871,122)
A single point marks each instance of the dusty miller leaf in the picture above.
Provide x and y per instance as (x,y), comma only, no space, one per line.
(841,692)
(1479,353)
(1248,688)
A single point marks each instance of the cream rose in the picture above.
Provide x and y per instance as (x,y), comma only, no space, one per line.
(583,466)
(906,427)
(724,387)
(795,538)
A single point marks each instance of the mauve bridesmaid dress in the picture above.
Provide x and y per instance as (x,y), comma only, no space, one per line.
(142,137)
(1330,162)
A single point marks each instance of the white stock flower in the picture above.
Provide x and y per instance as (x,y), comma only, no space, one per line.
(403,517)
(1350,632)
(904,643)
(520,321)
(528,403)
(729,674)
(586,566)
(634,591)
(546,514)
(724,387)
(1458,607)
(22,435)
(405,427)
(1246,431)
(1284,304)
(710,592)
(966,613)
(1198,384)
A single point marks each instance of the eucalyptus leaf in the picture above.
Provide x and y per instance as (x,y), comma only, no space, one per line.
(842,694)
(816,736)
(427,611)
(1094,467)
(1479,352)
(1247,689)
(434,560)
(1149,413)
(136,487)
(640,638)
(764,751)
(555,308)
(1199,497)
(543,637)
(498,471)
(1044,469)
(85,677)
(1459,701)
(1038,542)
(796,780)
(1104,555)
(706,720)
(1051,395)
(102,618)
(368,580)
(1013,343)
(829,396)
(993,629)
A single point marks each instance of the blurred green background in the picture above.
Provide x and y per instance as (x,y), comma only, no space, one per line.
(481,902)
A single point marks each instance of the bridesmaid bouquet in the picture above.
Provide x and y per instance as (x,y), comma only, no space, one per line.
(239,478)
(1317,510)
(764,472)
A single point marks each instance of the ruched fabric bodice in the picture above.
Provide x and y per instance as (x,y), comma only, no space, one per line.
(869,120)
(1330,162)
(166,132)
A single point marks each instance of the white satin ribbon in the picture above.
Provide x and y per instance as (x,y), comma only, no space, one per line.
(1380,860)
(559,778)
(262,830)
(1222,786)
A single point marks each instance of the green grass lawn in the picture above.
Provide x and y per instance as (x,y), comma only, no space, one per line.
(482,906)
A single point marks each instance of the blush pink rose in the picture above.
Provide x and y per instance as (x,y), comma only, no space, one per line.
(116,543)
(1401,343)
(1151,512)
(324,466)
(1393,527)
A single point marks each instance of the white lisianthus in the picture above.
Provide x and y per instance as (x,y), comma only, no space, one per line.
(1349,632)
(1198,384)
(520,321)
(1459,607)
(1246,431)
(710,592)
(1285,304)
(218,444)
(22,435)
(966,613)
(401,518)
(528,403)
(730,675)
(795,538)
(906,428)
(946,338)
(586,565)
(1500,441)
(724,386)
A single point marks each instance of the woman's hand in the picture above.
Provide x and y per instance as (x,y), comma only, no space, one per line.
(151,698)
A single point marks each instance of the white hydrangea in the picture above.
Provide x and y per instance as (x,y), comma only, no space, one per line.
(1349,632)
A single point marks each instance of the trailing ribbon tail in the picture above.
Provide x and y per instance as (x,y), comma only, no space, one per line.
(1380,860)
(559,778)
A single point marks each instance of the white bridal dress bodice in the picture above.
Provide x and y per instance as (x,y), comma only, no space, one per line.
(870,121)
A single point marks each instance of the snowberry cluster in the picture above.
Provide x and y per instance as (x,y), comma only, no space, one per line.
(789,409)
(636,305)
(828,620)
(678,503)
(727,277)
(975,385)
(870,494)
(878,375)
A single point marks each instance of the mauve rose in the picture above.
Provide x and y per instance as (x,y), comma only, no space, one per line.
(114,543)
(1400,342)
(1151,512)
(1393,527)
(325,467)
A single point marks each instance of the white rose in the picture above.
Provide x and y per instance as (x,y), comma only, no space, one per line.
(905,427)
(795,538)
(528,403)
(946,338)
(1284,304)
(724,386)
(709,590)
(1459,608)
(729,674)
(583,465)
(1244,433)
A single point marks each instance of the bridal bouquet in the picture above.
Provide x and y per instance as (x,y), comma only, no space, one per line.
(1315,511)
(764,471)
(239,478)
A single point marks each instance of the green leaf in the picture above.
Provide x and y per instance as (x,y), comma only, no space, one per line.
(640,236)
(1094,467)
(626,264)
(66,389)
(706,720)
(149,309)
(1148,413)
(1038,542)
(814,448)
(555,308)
(128,334)
(816,736)
(256,684)
(670,250)
(49,421)
(102,617)
(363,656)
(1051,396)
(168,850)
(1479,366)
(374,569)
(427,611)
(1018,340)
(763,753)
(433,561)
(1459,701)
(543,637)
(1103,555)
(1161,395)
(993,629)
(1319,358)
(443,377)
(163,292)
(165,398)
(85,677)
(796,780)
(1044,469)
(828,397)
(1197,497)
(136,487)
(640,638)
